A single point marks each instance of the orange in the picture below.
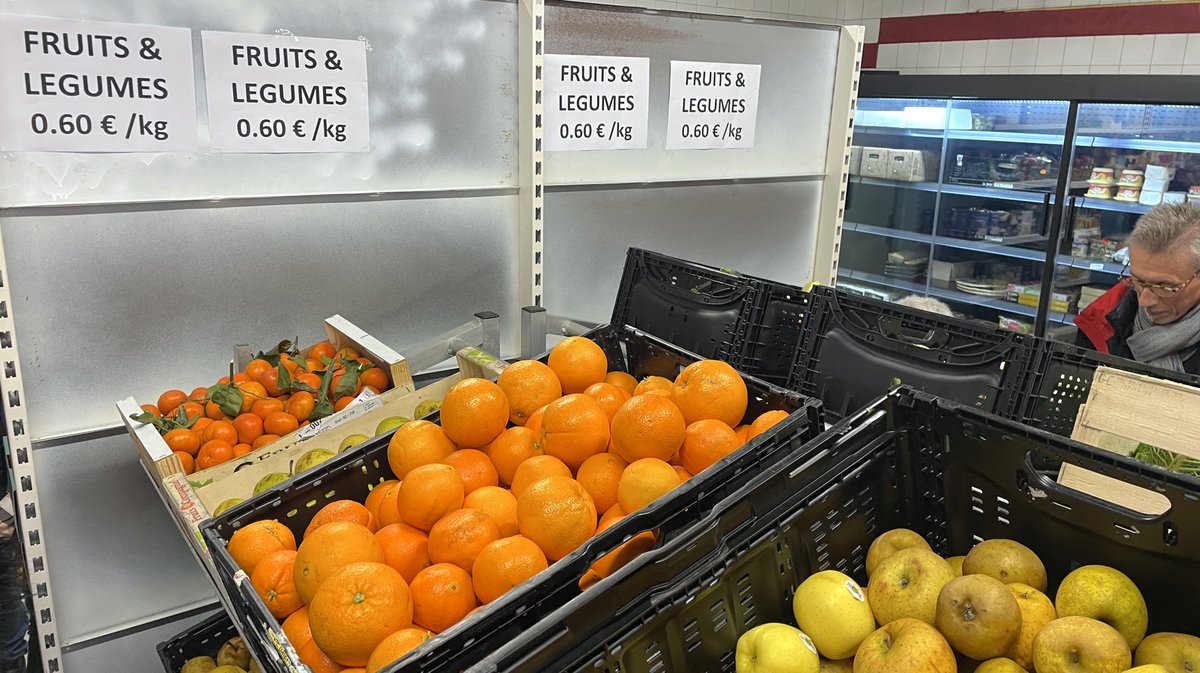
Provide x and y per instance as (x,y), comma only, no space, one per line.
(375,378)
(417,443)
(613,512)
(356,608)
(342,403)
(198,393)
(382,499)
(253,542)
(270,382)
(608,396)
(536,468)
(346,353)
(309,379)
(706,442)
(252,391)
(213,410)
(193,410)
(301,405)
(599,476)
(428,493)
(643,482)
(222,430)
(393,647)
(652,383)
(504,564)
(764,421)
(256,367)
(280,423)
(622,380)
(528,385)
(557,514)
(341,510)
(743,432)
(168,401)
(615,559)
(499,504)
(578,362)
(442,595)
(310,653)
(328,549)
(574,428)
(648,426)
(459,536)
(199,426)
(262,441)
(152,409)
(186,461)
(240,450)
(474,412)
(183,439)
(710,389)
(249,427)
(297,629)
(322,349)
(535,421)
(475,468)
(214,452)
(272,579)
(510,449)
(404,548)
(684,475)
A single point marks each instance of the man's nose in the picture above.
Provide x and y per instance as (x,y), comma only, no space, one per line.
(1148,299)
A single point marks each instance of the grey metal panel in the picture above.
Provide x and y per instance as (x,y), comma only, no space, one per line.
(442,83)
(132,652)
(132,303)
(798,67)
(754,228)
(114,553)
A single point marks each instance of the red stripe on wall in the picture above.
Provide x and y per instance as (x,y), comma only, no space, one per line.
(870,55)
(1070,22)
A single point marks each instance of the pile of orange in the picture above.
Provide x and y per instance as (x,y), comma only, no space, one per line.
(517,475)
(268,411)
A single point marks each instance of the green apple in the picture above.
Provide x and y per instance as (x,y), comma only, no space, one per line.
(389,423)
(1179,652)
(956,563)
(1080,645)
(999,665)
(891,542)
(907,584)
(1149,668)
(226,504)
(1037,610)
(1007,561)
(351,441)
(776,648)
(312,458)
(270,481)
(905,645)
(830,607)
(1106,594)
(427,407)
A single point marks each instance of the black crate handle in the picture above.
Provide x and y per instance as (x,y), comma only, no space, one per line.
(892,328)
(1049,486)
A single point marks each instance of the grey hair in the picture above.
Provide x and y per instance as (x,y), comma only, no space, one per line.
(926,304)
(1168,226)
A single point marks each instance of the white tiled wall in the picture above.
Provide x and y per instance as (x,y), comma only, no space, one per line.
(1132,54)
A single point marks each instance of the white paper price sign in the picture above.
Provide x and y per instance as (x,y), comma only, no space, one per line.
(89,86)
(275,93)
(596,102)
(713,105)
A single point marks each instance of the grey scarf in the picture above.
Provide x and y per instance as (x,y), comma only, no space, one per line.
(1166,346)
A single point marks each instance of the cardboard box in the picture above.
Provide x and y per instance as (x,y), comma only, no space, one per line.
(906,165)
(1154,172)
(855,160)
(874,163)
(943,274)
(1155,185)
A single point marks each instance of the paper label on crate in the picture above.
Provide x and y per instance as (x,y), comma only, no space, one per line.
(855,591)
(365,403)
(712,105)
(596,102)
(285,93)
(91,86)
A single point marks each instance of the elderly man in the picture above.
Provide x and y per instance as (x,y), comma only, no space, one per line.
(1153,314)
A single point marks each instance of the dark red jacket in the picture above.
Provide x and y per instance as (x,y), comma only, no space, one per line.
(1107,322)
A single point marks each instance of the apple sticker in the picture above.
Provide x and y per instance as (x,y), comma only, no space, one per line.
(808,642)
(852,587)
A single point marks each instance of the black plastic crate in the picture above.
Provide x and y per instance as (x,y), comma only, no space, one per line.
(946,470)
(853,349)
(1061,382)
(695,306)
(771,329)
(295,502)
(203,639)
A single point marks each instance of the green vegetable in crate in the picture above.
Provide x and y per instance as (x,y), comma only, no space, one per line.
(270,481)
(199,665)
(776,648)
(1166,459)
(390,423)
(226,504)
(427,407)
(234,653)
(352,441)
(313,458)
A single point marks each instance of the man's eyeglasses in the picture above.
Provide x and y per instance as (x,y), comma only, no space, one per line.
(1157,289)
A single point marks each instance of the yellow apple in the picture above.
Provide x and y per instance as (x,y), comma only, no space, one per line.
(1105,594)
(389,423)
(1007,561)
(999,665)
(907,583)
(890,542)
(1149,668)
(312,458)
(1036,612)
(776,648)
(978,616)
(830,607)
(956,564)
(1080,645)
(1179,652)
(905,645)
(837,665)
(352,441)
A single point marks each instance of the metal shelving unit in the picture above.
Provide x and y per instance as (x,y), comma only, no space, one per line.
(888,232)
(1113,206)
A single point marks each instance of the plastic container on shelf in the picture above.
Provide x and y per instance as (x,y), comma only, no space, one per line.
(951,473)
(628,350)
(852,349)
(203,639)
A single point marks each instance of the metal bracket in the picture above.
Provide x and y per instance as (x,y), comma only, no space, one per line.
(531,48)
(483,332)
(537,324)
